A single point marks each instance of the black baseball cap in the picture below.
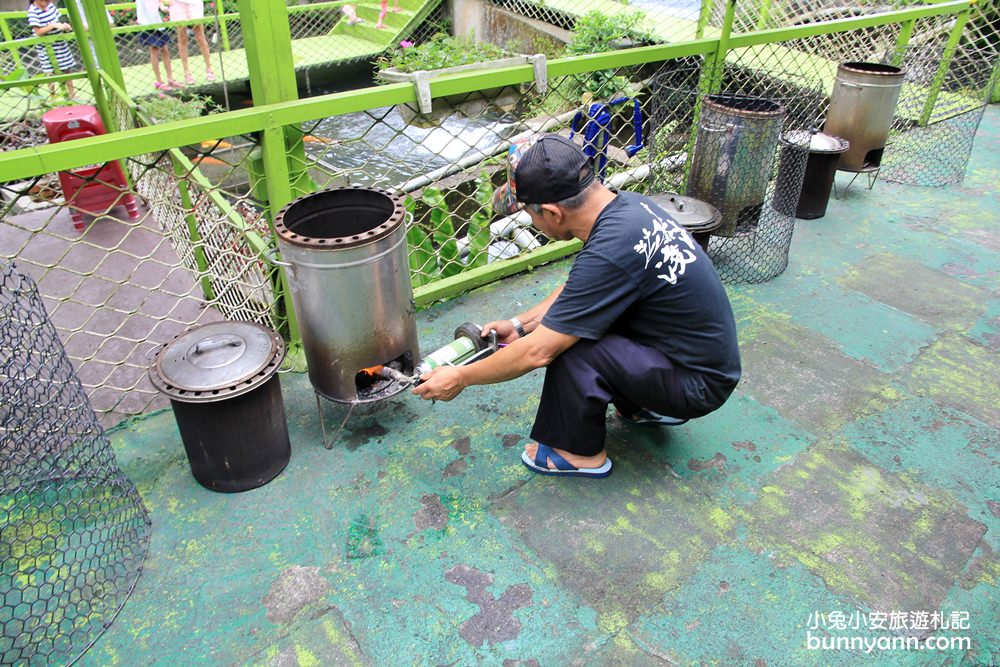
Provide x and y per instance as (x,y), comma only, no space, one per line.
(544,171)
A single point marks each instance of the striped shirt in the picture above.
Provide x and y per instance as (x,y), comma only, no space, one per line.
(40,18)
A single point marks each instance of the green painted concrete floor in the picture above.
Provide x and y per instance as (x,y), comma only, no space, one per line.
(853,476)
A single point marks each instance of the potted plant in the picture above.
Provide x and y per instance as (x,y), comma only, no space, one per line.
(444,54)
(597,32)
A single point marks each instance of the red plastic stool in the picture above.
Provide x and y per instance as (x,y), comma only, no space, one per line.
(95,189)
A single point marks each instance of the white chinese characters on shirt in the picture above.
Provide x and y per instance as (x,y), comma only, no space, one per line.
(664,240)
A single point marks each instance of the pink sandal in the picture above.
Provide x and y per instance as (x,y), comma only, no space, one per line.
(189,79)
(159,85)
(175,84)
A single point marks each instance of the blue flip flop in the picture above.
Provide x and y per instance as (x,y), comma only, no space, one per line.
(646,417)
(563,467)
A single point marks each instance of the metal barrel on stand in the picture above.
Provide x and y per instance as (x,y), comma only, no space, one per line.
(862,107)
(346,258)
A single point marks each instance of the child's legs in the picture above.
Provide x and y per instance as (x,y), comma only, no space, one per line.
(165,56)
(182,47)
(199,36)
(154,59)
(180,11)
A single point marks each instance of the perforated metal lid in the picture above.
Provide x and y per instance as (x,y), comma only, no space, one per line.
(216,361)
(692,214)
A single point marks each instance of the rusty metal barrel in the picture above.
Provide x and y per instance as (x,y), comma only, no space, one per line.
(733,156)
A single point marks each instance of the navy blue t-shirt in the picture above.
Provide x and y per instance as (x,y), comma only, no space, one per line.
(642,275)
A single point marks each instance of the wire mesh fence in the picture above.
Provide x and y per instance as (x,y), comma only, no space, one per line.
(73,530)
(196,252)
(660,21)
(121,286)
(938,114)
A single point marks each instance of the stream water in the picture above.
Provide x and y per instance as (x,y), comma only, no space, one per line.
(379,148)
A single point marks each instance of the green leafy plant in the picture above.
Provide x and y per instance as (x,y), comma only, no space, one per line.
(478,232)
(422,258)
(170,108)
(433,247)
(597,32)
(442,232)
(441,51)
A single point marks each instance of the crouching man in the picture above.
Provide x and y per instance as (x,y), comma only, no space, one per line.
(642,321)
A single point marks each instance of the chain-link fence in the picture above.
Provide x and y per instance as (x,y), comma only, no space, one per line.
(122,286)
(937,115)
(673,21)
(208,54)
(73,530)
(197,250)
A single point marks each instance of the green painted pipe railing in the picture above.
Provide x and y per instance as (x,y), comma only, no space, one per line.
(942,70)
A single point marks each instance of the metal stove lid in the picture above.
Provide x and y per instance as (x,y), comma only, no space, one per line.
(827,143)
(692,214)
(818,142)
(216,361)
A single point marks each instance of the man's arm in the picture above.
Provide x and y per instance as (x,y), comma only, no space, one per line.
(519,357)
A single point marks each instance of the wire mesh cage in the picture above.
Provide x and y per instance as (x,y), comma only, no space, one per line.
(938,114)
(746,156)
(73,530)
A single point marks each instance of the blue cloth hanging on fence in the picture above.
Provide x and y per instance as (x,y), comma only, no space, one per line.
(597,132)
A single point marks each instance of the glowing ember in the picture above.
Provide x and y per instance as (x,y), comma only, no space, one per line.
(368,377)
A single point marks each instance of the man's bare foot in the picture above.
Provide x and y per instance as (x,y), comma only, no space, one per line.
(576,460)
(380,25)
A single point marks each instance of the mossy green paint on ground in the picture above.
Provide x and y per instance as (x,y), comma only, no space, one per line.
(854,471)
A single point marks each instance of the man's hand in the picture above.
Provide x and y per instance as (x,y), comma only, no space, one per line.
(505,331)
(441,384)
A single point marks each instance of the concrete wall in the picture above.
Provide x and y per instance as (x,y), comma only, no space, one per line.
(487,22)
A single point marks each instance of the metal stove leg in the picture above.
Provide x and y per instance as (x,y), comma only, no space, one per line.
(836,194)
(322,423)
(872,177)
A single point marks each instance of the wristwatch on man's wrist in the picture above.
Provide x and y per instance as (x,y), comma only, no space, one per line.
(518,327)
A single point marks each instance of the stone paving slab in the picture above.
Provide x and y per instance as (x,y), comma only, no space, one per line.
(885,540)
(913,288)
(960,373)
